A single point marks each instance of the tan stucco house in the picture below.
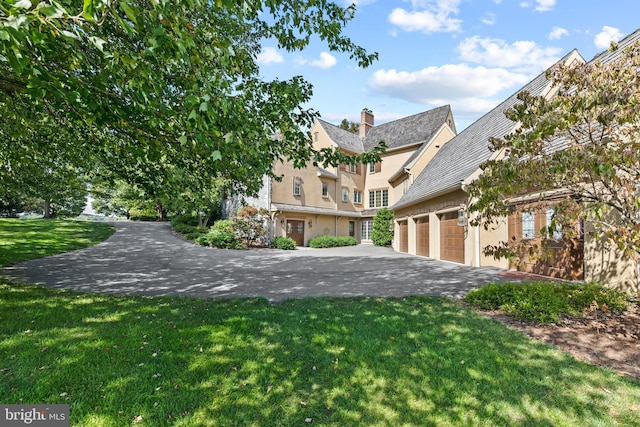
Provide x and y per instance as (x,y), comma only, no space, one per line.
(342,201)
(430,218)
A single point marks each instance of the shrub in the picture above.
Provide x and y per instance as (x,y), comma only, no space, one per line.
(286,243)
(250,225)
(382,230)
(184,228)
(219,239)
(223,225)
(143,215)
(332,241)
(186,219)
(545,302)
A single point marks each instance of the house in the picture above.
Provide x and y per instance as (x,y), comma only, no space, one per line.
(343,200)
(430,218)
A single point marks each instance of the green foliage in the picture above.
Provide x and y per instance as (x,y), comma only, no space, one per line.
(382,233)
(332,241)
(164,95)
(285,243)
(22,240)
(185,219)
(221,235)
(225,225)
(219,239)
(545,302)
(352,127)
(143,215)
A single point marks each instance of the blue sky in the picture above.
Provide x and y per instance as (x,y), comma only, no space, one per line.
(471,54)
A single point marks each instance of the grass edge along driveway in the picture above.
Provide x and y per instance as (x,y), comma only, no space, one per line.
(22,239)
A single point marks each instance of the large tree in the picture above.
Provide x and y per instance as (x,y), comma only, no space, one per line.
(581,147)
(173,80)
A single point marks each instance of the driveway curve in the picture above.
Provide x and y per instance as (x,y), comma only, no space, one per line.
(148,259)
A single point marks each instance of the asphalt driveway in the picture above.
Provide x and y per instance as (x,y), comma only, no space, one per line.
(148,259)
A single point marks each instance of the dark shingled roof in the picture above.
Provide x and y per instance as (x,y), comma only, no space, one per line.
(460,157)
(346,140)
(411,130)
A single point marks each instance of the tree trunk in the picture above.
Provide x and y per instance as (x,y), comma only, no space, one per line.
(47,209)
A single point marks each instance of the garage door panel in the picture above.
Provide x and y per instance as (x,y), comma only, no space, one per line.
(404,237)
(422,237)
(451,238)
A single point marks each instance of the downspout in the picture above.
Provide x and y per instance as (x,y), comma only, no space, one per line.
(477,245)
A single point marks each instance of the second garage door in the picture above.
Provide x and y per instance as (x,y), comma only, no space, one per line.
(451,238)
(422,237)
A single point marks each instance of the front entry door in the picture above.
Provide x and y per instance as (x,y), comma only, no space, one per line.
(295,230)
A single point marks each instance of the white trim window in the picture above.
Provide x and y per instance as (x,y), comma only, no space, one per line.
(366,228)
(325,189)
(557,232)
(528,225)
(352,168)
(378,198)
(357,197)
(297,186)
(345,194)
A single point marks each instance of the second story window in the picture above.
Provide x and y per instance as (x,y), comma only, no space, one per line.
(352,168)
(325,189)
(375,167)
(297,186)
(357,196)
(378,198)
(345,194)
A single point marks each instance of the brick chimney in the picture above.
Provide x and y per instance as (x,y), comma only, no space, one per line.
(366,121)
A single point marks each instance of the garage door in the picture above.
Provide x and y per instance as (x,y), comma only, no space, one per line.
(404,236)
(451,238)
(422,237)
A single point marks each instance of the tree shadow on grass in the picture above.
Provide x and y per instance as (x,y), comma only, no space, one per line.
(353,361)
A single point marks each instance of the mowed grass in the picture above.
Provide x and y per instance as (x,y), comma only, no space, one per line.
(421,361)
(22,240)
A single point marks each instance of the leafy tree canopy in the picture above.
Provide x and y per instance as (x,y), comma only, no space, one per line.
(352,127)
(174,82)
(583,144)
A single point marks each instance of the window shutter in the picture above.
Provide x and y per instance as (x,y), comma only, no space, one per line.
(343,166)
(378,167)
(358,168)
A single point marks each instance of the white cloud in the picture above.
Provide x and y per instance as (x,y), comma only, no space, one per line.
(545,5)
(541,5)
(525,56)
(606,36)
(269,55)
(438,85)
(489,19)
(428,16)
(325,61)
(557,33)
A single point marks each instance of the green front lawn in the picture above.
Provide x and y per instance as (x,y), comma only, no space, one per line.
(426,361)
(22,240)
